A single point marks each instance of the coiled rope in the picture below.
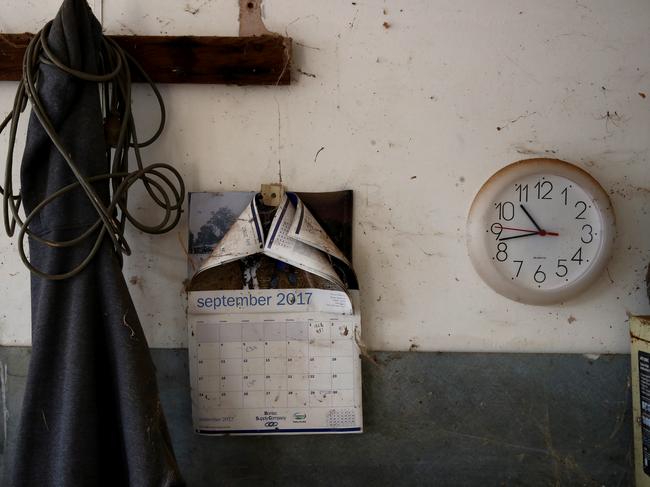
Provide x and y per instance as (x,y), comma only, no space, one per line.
(162,182)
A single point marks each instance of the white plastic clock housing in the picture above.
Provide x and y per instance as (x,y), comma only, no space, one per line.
(540,231)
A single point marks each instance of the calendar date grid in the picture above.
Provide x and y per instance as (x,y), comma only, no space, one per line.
(269,363)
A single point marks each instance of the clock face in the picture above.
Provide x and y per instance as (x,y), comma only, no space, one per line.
(540,231)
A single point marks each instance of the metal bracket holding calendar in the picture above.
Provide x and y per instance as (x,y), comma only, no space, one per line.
(272,194)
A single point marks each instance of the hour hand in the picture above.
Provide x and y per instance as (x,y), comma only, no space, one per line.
(539,229)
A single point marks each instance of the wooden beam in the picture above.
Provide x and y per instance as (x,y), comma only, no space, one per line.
(262,60)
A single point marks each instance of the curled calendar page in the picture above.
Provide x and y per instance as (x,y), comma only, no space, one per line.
(273,315)
(294,237)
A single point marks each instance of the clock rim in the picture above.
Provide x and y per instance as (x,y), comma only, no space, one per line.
(480,256)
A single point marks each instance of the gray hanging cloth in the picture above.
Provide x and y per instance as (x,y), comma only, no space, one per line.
(91,413)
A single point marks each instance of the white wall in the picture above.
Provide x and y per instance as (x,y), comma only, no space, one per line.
(424,98)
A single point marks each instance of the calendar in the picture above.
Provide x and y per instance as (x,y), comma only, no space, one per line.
(275,349)
(275,371)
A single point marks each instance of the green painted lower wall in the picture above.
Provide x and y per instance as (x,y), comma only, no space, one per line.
(430,419)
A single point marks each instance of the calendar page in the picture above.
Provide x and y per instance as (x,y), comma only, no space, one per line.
(291,247)
(272,361)
(295,237)
(273,315)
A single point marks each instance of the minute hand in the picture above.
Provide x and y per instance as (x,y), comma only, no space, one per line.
(531,219)
(519,236)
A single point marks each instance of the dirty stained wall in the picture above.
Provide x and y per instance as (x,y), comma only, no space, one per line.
(412,104)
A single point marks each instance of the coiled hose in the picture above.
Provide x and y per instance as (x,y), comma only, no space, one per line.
(162,182)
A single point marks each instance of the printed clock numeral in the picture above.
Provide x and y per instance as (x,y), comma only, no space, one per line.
(560,265)
(502,252)
(539,276)
(565,193)
(577,257)
(497,229)
(522,192)
(544,189)
(505,210)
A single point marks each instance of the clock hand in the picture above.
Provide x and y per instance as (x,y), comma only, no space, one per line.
(520,236)
(539,229)
(541,233)
(518,229)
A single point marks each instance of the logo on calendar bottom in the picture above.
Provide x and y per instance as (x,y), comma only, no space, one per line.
(271,419)
(299,417)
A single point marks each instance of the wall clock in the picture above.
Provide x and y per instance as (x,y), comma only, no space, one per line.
(540,231)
